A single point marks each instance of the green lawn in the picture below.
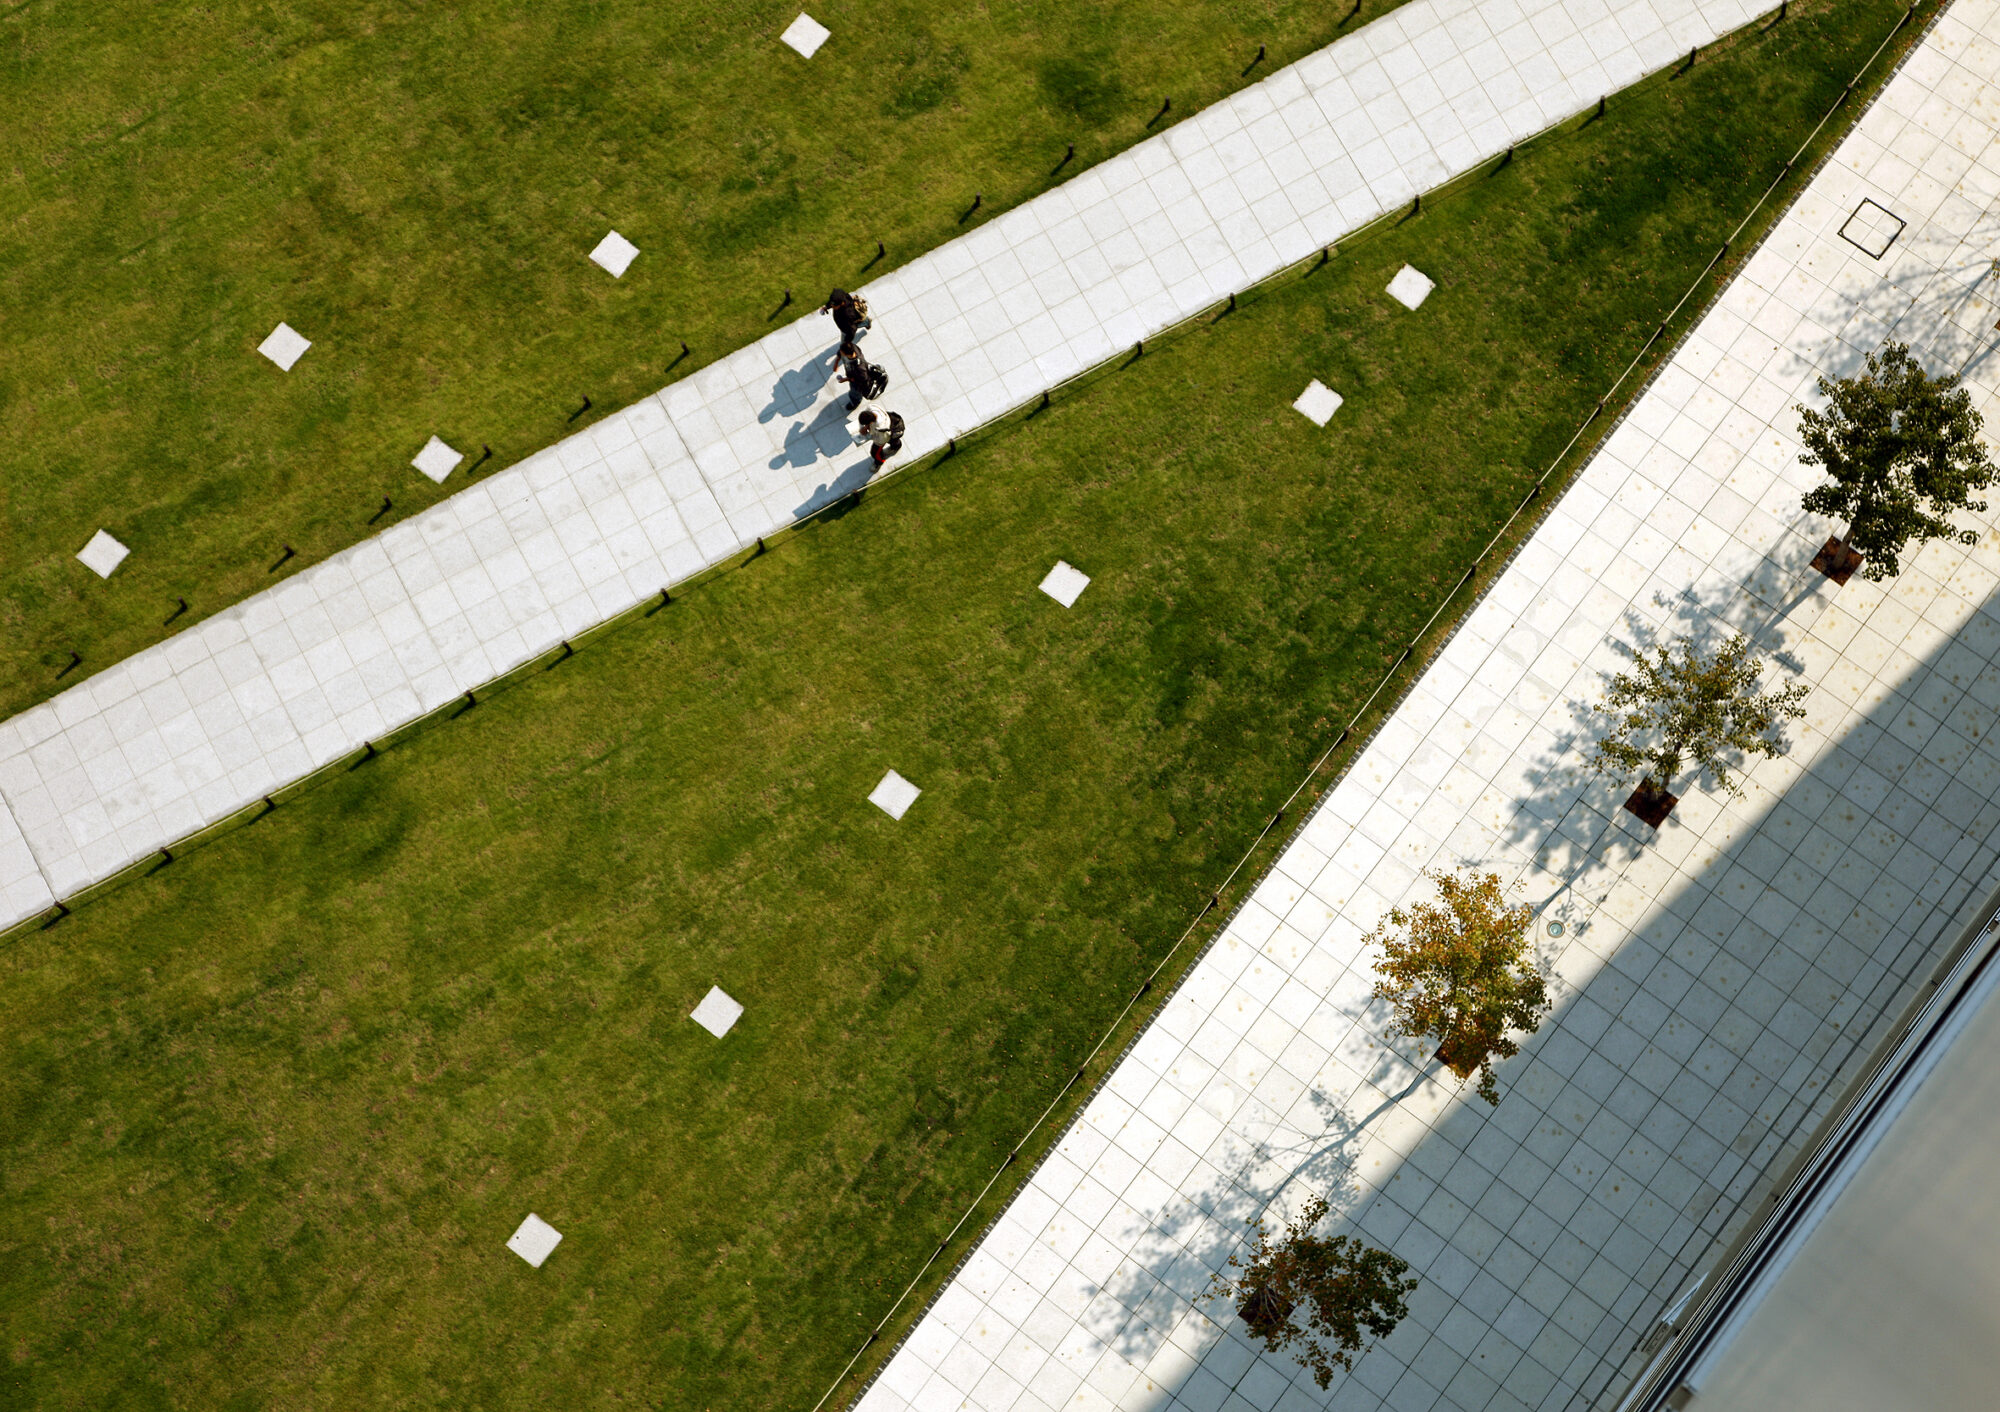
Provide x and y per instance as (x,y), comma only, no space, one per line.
(415,188)
(268,1115)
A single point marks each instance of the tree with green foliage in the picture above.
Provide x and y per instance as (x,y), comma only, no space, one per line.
(1901,451)
(1460,970)
(1677,706)
(1344,1286)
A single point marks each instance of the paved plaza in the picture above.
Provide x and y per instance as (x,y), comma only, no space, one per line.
(185,733)
(1718,978)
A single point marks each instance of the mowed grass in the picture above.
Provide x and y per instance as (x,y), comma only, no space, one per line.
(268,1116)
(416,188)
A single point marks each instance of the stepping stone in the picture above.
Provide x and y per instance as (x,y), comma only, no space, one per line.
(717,1012)
(1064,583)
(894,795)
(103,554)
(285,346)
(614,253)
(534,1240)
(1411,287)
(437,460)
(806,34)
(1318,402)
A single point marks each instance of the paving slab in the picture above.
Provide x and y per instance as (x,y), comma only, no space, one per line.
(1411,287)
(717,1012)
(614,253)
(894,795)
(284,346)
(806,34)
(1318,403)
(535,1240)
(437,460)
(1064,582)
(102,554)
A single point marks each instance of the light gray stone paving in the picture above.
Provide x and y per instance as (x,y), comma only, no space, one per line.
(614,253)
(22,885)
(144,752)
(717,1012)
(437,460)
(1411,287)
(806,34)
(1715,976)
(102,554)
(535,1240)
(1065,583)
(1318,403)
(285,346)
(894,795)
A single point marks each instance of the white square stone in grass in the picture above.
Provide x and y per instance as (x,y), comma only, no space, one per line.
(1411,287)
(1319,402)
(103,554)
(717,1012)
(806,34)
(894,795)
(1064,583)
(285,346)
(437,460)
(534,1240)
(614,253)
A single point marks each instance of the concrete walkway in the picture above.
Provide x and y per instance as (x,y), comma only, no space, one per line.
(203,724)
(1718,975)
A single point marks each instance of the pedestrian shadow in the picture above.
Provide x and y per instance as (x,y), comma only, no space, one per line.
(825,435)
(798,388)
(843,485)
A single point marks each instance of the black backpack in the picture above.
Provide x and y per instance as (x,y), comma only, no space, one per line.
(878,381)
(895,433)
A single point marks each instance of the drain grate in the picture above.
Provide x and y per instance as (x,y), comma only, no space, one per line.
(1872,229)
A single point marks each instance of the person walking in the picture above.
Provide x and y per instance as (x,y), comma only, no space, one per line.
(855,372)
(850,314)
(884,438)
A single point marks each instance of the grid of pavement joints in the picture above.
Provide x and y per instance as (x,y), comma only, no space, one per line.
(189,731)
(1717,977)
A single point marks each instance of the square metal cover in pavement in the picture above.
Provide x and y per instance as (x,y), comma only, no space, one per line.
(1872,229)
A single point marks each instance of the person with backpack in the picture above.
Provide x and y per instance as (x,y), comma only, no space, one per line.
(885,438)
(865,380)
(853,371)
(850,314)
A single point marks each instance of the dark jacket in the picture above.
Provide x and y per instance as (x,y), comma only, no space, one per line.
(855,370)
(846,317)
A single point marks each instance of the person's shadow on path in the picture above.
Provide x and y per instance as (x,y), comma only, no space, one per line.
(845,484)
(825,435)
(798,388)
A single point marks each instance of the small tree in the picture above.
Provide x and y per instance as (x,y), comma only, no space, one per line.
(1344,1286)
(1676,706)
(1462,974)
(1901,450)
